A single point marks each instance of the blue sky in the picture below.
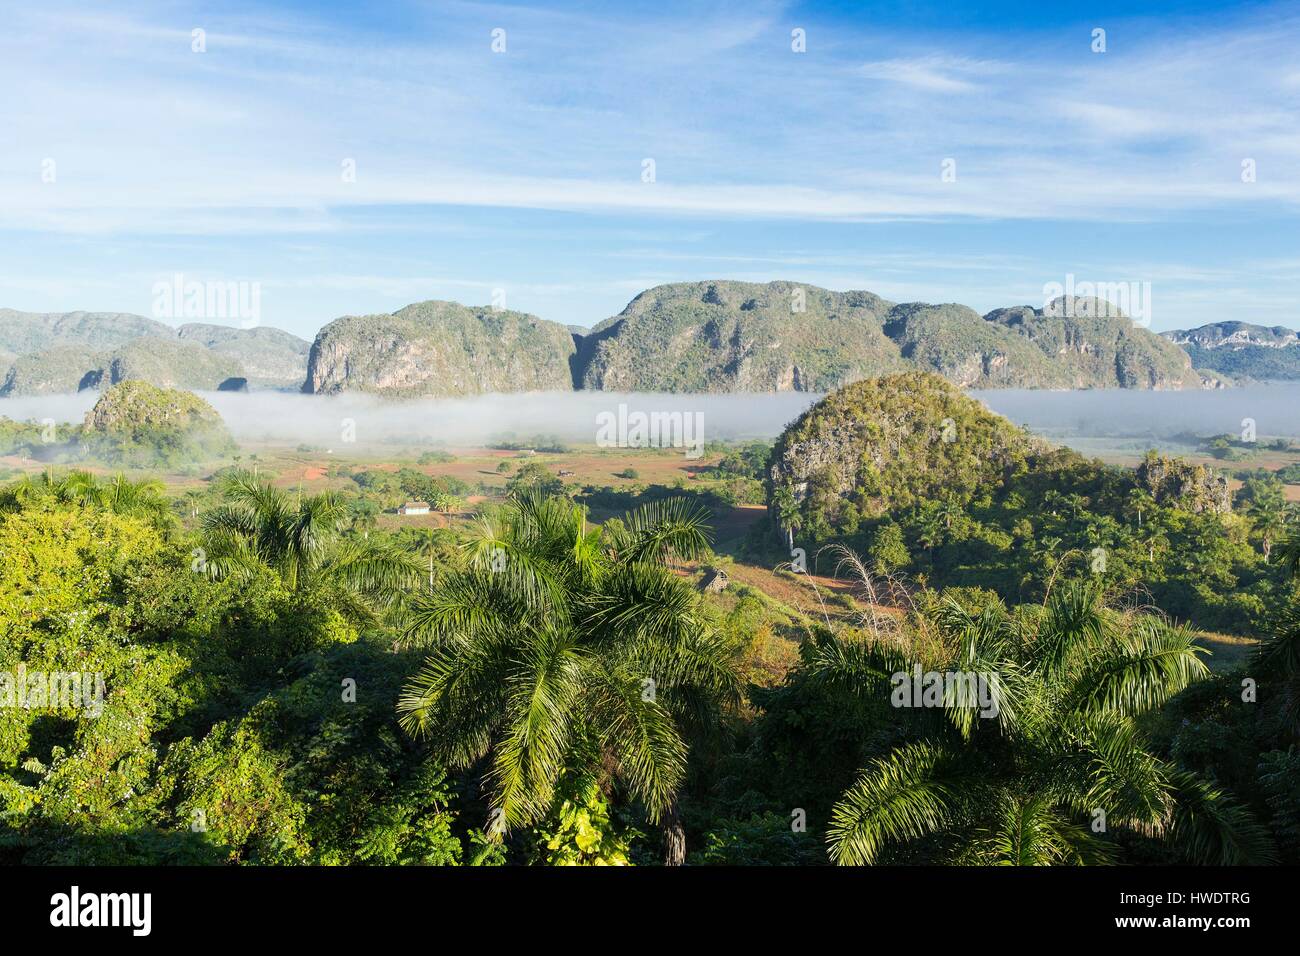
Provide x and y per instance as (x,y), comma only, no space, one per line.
(523,170)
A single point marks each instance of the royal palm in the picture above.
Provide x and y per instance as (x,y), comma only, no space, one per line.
(556,649)
(301,538)
(1062,765)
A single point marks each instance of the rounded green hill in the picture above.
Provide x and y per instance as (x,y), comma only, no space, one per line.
(887,443)
(141,423)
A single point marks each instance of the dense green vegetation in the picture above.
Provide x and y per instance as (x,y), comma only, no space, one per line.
(389,489)
(21,438)
(140,425)
(911,472)
(558,652)
(251,674)
(133,424)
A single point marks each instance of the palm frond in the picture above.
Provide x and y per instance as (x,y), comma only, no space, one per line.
(1116,774)
(463,607)
(1073,622)
(379,572)
(1031,832)
(542,698)
(1289,554)
(1278,655)
(1152,663)
(456,699)
(670,528)
(641,733)
(1213,829)
(859,667)
(638,601)
(907,794)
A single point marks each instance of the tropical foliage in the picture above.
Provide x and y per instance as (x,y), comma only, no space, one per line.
(558,650)
(1054,763)
(1001,662)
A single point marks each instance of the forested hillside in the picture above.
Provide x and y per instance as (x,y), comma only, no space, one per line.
(923,479)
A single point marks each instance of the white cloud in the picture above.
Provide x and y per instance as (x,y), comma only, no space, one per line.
(934,74)
(151,138)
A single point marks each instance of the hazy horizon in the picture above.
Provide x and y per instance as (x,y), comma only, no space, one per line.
(319,420)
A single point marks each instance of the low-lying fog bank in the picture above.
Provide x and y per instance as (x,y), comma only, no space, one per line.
(571,417)
(577,417)
(1129,413)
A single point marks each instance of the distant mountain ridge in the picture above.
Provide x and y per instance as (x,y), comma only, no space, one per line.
(22,333)
(713,336)
(1241,350)
(725,336)
(737,336)
(50,353)
(1235,335)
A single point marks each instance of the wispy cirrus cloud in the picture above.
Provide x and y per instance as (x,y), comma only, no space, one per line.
(254,129)
(936,74)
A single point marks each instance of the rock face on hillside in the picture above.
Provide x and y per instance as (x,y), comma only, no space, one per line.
(739,337)
(169,364)
(1235,335)
(888,443)
(133,405)
(49,353)
(1241,350)
(441,348)
(1087,348)
(717,336)
(746,337)
(961,346)
(1179,484)
(56,371)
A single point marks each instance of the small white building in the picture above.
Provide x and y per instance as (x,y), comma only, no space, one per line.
(414,508)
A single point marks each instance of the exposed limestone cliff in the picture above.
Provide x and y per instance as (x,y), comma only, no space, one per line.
(441,348)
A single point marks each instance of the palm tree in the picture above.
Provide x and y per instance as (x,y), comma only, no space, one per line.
(300,538)
(930,532)
(145,499)
(1077,505)
(363,517)
(556,650)
(1061,758)
(949,510)
(431,547)
(1140,501)
(1269,515)
(193,500)
(788,515)
(446,502)
(1289,552)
